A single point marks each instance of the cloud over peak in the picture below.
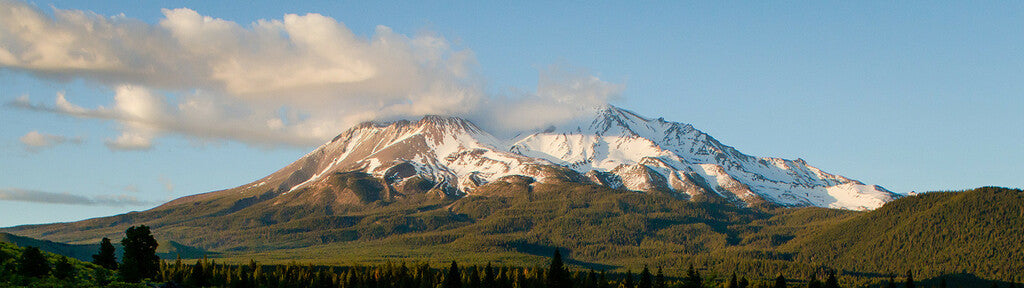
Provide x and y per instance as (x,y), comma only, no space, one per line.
(298,80)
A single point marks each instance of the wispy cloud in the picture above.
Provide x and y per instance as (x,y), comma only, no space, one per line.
(35,141)
(298,80)
(35,196)
(167,183)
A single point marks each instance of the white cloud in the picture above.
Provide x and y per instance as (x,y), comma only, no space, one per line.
(298,80)
(35,141)
(35,196)
(562,95)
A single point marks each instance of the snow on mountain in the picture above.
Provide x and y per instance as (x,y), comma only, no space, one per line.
(611,146)
(653,154)
(452,153)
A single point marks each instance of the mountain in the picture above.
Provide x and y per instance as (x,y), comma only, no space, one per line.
(420,175)
(625,150)
(452,157)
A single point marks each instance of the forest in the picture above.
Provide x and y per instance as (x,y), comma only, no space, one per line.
(140,267)
(959,239)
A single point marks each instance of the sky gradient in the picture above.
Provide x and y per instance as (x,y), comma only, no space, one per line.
(910,96)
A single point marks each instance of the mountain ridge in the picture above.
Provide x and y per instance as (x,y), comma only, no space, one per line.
(607,146)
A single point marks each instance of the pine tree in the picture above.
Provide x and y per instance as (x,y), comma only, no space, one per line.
(591,279)
(813,282)
(521,281)
(628,282)
(453,279)
(558,276)
(489,279)
(140,260)
(64,270)
(693,279)
(733,283)
(105,258)
(780,282)
(832,282)
(659,280)
(744,283)
(892,281)
(32,263)
(503,278)
(910,279)
(197,276)
(645,278)
(474,277)
(602,281)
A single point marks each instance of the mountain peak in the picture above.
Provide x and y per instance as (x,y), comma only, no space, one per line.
(613,147)
(449,123)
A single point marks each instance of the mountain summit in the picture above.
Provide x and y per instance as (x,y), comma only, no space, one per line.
(609,146)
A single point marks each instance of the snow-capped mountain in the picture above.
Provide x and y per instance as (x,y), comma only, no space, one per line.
(609,146)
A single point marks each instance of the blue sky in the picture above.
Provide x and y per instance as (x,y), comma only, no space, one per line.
(913,96)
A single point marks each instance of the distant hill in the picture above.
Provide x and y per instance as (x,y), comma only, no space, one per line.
(84,252)
(80,252)
(977,231)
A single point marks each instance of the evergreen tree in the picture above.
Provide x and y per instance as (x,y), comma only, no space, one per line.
(558,276)
(813,282)
(453,279)
(197,276)
(693,279)
(942,282)
(892,281)
(628,282)
(832,282)
(64,270)
(474,277)
(32,263)
(659,280)
(602,281)
(645,278)
(780,282)
(105,258)
(503,278)
(521,281)
(744,283)
(489,279)
(733,283)
(910,279)
(140,260)
(591,279)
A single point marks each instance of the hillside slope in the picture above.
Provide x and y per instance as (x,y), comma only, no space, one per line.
(978,231)
(517,221)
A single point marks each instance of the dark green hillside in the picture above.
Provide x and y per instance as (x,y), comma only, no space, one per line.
(77,274)
(979,231)
(80,252)
(84,252)
(517,222)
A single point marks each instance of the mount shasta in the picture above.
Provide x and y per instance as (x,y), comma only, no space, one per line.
(608,146)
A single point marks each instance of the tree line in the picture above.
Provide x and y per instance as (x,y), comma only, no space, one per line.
(139,266)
